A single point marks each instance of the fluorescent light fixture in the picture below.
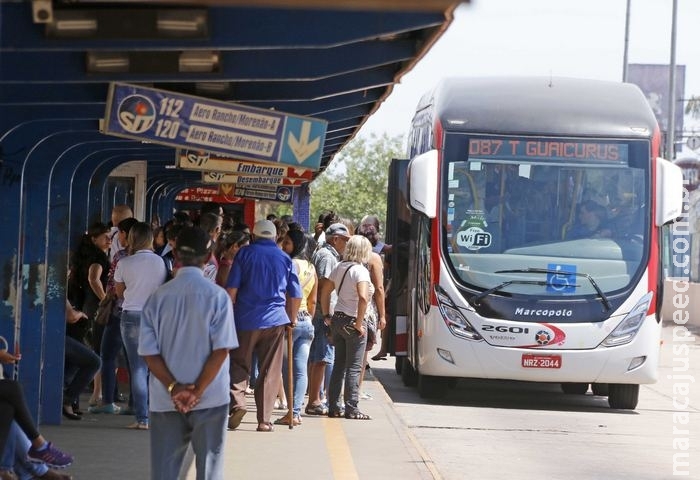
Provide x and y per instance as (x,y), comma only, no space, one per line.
(213,88)
(72,23)
(182,23)
(199,61)
(103,62)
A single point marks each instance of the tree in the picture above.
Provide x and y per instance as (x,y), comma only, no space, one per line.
(356,183)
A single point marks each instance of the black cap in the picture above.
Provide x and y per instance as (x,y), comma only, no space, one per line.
(193,240)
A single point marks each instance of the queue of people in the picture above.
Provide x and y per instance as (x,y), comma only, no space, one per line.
(199,315)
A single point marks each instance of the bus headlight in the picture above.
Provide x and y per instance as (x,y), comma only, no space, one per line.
(455,321)
(629,326)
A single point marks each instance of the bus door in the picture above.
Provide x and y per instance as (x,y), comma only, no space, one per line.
(398,234)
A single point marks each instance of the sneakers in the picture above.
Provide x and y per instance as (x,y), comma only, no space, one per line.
(138,426)
(51,456)
(319,409)
(365,396)
(106,408)
(280,405)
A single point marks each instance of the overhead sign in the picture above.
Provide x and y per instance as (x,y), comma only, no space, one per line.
(179,120)
(207,194)
(208,162)
(219,177)
(262,192)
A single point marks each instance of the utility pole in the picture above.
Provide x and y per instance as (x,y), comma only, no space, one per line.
(670,133)
(625,61)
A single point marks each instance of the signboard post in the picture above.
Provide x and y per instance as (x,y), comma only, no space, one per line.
(186,121)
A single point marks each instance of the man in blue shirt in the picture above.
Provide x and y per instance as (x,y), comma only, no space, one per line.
(187,330)
(265,291)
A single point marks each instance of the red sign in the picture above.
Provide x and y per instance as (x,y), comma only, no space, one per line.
(207,194)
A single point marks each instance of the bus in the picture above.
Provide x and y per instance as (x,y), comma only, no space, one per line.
(530,224)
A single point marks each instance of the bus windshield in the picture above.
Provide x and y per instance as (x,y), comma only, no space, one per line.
(535,215)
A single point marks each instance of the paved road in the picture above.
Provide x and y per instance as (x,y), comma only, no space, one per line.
(494,430)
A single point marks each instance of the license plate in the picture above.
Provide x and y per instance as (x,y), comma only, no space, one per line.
(541,361)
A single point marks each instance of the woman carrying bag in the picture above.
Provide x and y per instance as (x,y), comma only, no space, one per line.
(352,284)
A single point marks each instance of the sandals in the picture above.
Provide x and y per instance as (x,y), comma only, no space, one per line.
(319,409)
(379,356)
(265,427)
(296,420)
(357,416)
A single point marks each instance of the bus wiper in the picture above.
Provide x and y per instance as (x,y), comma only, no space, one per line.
(604,299)
(475,299)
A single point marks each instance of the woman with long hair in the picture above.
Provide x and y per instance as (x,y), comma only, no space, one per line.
(294,244)
(86,288)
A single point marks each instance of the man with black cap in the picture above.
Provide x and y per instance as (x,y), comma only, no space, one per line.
(266,294)
(322,353)
(187,330)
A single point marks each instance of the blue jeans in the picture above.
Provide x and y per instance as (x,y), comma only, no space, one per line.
(131,326)
(15,456)
(349,354)
(302,336)
(172,433)
(111,346)
(81,366)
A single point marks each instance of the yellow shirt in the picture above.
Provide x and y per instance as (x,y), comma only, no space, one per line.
(305,271)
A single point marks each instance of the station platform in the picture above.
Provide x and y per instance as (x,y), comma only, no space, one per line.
(321,448)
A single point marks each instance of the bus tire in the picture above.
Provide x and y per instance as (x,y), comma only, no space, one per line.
(574,388)
(600,389)
(623,396)
(409,376)
(431,387)
(398,365)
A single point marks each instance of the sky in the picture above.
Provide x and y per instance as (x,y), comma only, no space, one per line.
(569,38)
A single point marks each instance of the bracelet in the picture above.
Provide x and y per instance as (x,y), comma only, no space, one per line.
(171,387)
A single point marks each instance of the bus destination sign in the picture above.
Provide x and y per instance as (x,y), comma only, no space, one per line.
(509,148)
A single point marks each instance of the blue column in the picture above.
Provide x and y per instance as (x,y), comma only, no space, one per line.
(302,206)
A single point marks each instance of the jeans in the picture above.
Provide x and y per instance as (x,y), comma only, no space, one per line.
(349,354)
(172,433)
(14,456)
(130,327)
(81,366)
(111,346)
(302,336)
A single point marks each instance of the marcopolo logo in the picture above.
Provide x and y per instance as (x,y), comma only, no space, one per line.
(136,114)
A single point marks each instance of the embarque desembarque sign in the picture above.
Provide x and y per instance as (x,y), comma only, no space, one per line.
(180,120)
(257,180)
(210,162)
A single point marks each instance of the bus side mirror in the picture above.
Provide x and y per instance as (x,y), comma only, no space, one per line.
(669,192)
(423,183)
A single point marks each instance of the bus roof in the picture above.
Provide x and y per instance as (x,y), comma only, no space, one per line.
(541,105)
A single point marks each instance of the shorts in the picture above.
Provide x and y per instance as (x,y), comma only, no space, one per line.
(321,349)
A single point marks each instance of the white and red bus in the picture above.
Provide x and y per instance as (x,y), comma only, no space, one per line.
(531,250)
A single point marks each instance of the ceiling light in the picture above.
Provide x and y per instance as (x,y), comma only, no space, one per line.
(182,23)
(72,23)
(199,61)
(102,62)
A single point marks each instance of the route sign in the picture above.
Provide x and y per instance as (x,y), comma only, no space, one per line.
(211,162)
(179,120)
(262,192)
(207,194)
(220,177)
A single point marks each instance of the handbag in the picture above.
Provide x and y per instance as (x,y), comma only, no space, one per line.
(104,309)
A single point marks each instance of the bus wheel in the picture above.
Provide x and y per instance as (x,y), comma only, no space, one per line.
(574,388)
(623,396)
(398,366)
(600,389)
(409,376)
(431,387)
